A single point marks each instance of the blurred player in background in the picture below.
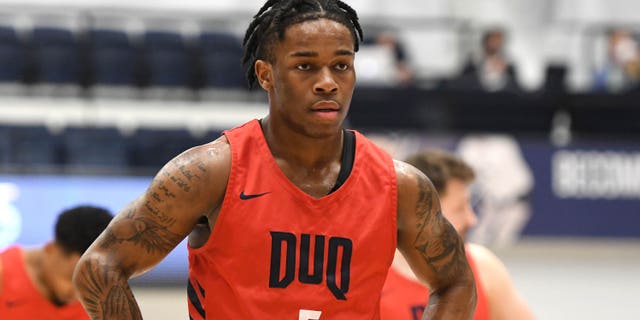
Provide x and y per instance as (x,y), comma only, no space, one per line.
(35,283)
(290,216)
(404,297)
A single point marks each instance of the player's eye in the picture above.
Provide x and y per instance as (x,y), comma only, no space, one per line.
(342,66)
(303,66)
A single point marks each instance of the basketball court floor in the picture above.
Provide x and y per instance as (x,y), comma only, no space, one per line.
(561,279)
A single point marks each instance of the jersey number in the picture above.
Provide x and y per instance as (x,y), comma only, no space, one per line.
(309,314)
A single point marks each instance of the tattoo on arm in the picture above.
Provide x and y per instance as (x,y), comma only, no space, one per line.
(185,166)
(202,167)
(187,173)
(181,183)
(437,240)
(106,294)
(153,236)
(165,190)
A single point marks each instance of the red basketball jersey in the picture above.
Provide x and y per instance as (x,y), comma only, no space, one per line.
(405,299)
(19,299)
(277,253)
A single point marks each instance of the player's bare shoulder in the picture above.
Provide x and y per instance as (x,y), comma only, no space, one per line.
(413,184)
(213,158)
(200,172)
(417,196)
(407,175)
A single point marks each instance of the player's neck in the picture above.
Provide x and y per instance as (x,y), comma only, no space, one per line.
(33,259)
(300,150)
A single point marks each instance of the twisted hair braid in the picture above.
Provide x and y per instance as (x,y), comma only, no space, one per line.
(275,16)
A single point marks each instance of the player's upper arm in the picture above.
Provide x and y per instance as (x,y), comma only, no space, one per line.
(427,240)
(188,187)
(504,300)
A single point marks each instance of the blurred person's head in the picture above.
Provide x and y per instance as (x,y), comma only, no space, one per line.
(75,230)
(493,41)
(451,177)
(622,47)
(387,38)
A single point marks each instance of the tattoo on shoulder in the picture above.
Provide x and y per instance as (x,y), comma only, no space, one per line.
(181,183)
(164,190)
(437,240)
(186,164)
(153,236)
(425,199)
(187,173)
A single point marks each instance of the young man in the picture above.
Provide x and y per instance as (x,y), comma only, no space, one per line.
(290,216)
(404,297)
(36,283)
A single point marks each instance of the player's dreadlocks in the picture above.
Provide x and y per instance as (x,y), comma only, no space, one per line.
(270,23)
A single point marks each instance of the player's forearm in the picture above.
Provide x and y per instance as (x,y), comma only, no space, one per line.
(104,290)
(457,302)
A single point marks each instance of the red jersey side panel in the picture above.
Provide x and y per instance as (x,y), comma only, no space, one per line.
(405,299)
(278,253)
(19,299)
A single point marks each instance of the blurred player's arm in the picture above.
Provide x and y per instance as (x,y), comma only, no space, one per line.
(1,277)
(504,300)
(432,247)
(189,187)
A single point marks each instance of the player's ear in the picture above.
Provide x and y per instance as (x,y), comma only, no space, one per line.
(49,246)
(264,74)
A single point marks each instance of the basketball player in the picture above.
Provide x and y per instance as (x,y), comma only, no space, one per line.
(404,297)
(290,216)
(35,283)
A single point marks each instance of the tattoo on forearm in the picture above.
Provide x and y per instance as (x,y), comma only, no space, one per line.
(106,294)
(154,237)
(437,240)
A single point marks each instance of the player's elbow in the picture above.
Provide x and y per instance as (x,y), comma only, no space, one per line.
(462,289)
(91,273)
(81,273)
(456,301)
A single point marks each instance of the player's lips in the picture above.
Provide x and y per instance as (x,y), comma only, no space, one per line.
(325,106)
(326,110)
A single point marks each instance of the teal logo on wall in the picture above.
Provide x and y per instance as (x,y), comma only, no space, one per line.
(10,219)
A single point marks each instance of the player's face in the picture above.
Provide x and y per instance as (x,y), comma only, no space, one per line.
(312,77)
(58,267)
(456,206)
